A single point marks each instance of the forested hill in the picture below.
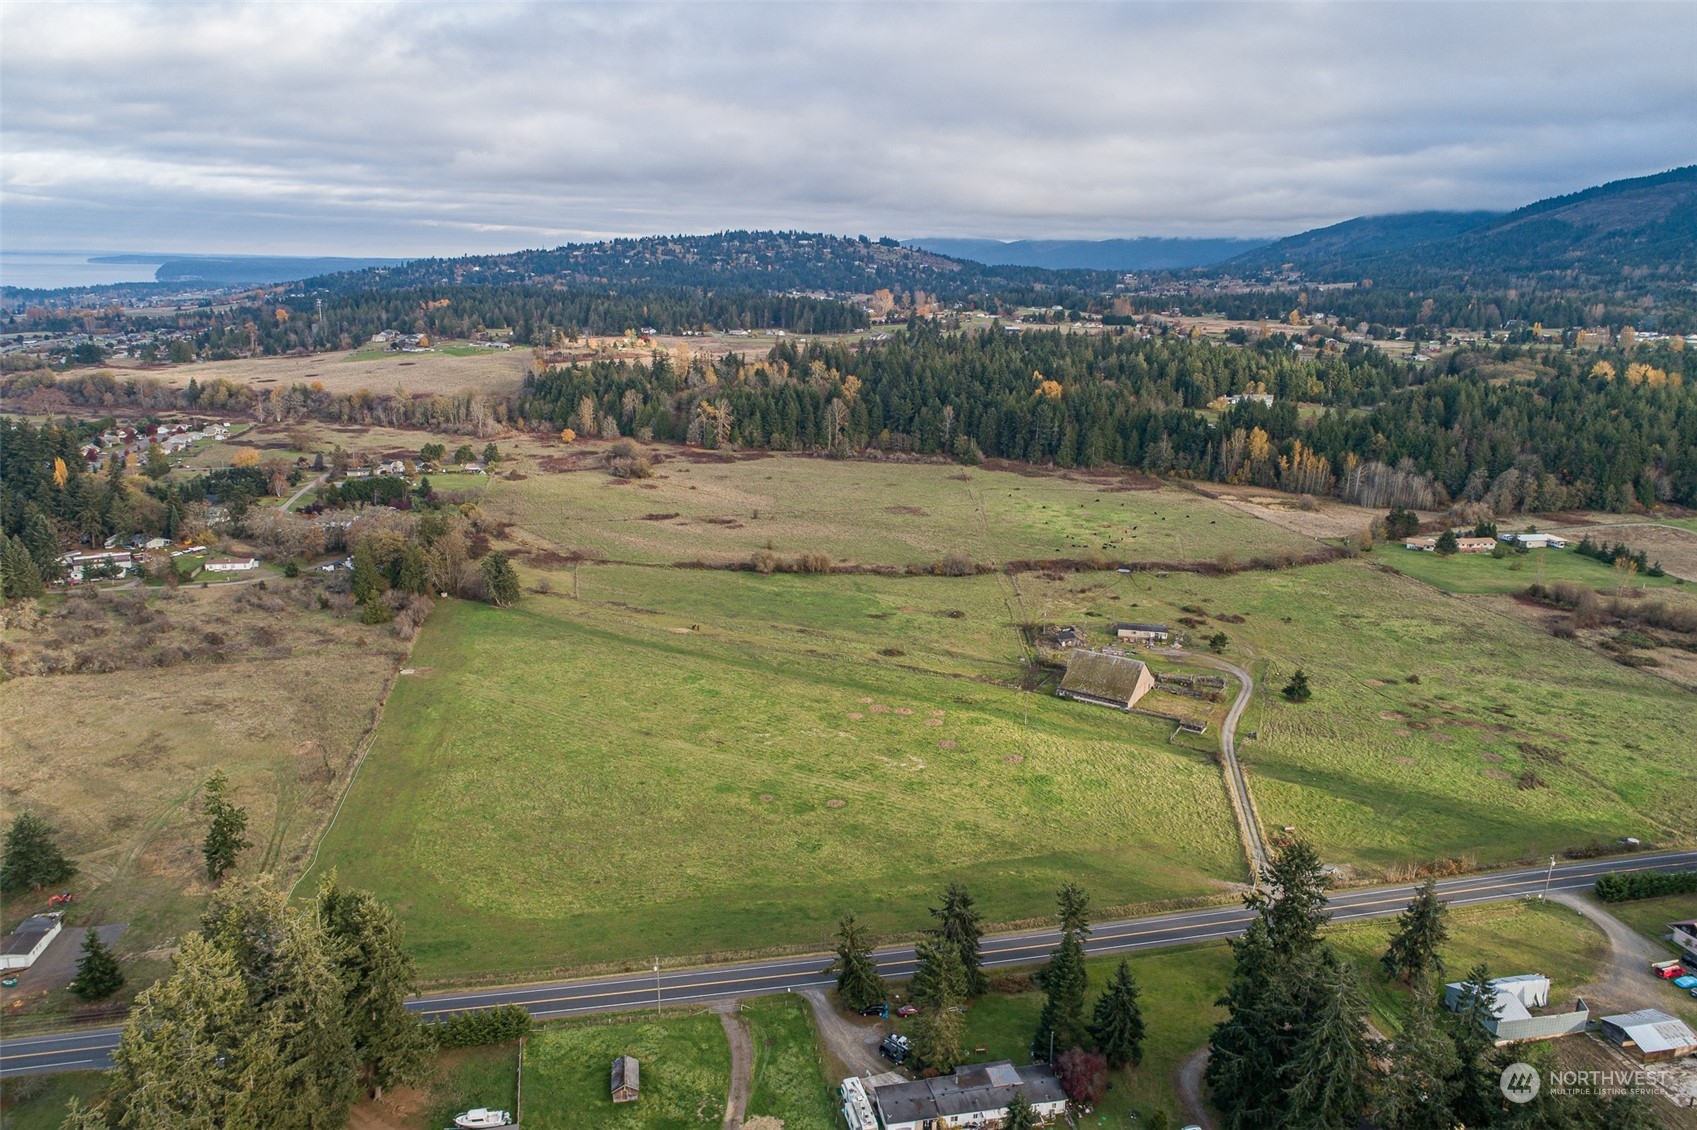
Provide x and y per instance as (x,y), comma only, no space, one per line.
(1642,231)
(770,262)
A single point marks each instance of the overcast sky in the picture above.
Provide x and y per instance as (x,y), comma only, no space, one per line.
(372,129)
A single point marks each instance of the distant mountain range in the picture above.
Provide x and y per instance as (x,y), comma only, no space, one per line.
(1141,254)
(1641,230)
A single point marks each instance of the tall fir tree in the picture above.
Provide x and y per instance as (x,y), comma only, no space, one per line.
(378,976)
(1061,1025)
(960,924)
(20,579)
(1477,1100)
(223,843)
(33,859)
(1021,1115)
(1419,1089)
(500,580)
(939,981)
(858,983)
(1332,1068)
(1421,932)
(1073,910)
(1116,1025)
(98,972)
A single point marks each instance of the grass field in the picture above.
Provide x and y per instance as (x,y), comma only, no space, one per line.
(1650,917)
(1482,573)
(113,759)
(789,1073)
(872,514)
(489,370)
(686,1071)
(610,782)
(38,1102)
(1380,771)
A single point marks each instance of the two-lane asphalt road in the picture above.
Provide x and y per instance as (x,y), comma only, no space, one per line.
(88,1050)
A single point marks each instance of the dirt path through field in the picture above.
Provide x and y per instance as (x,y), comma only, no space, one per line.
(1187,1081)
(742,1063)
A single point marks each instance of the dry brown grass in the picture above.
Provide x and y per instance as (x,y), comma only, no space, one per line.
(114,759)
(1675,548)
(1328,518)
(493,371)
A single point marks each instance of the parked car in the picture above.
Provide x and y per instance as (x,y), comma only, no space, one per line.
(1685,982)
(907,1010)
(895,1048)
(881,1010)
(1667,970)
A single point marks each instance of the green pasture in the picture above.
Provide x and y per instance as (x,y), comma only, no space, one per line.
(789,1073)
(39,1102)
(692,763)
(1511,745)
(1482,573)
(686,1073)
(871,513)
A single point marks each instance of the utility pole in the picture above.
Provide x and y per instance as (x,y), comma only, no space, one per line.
(656,984)
(1548,875)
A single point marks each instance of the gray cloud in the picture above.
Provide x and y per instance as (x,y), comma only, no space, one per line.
(411,128)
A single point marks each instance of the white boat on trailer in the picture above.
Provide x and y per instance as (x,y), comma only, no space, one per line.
(480,1117)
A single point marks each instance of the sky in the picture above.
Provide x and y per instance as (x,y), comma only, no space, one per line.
(414,129)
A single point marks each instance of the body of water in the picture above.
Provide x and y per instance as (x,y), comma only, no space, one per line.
(48,270)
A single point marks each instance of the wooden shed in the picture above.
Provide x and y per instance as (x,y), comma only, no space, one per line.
(627,1079)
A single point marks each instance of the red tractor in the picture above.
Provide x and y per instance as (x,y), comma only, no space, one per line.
(63,898)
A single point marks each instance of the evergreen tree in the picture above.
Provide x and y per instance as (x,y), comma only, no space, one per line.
(500,580)
(33,859)
(1448,545)
(960,924)
(1021,1115)
(1420,931)
(1061,1025)
(224,840)
(1421,1082)
(858,983)
(939,981)
(378,975)
(367,580)
(1116,1025)
(1297,690)
(1477,1098)
(939,1039)
(184,1053)
(42,541)
(20,579)
(98,973)
(297,1020)
(1073,910)
(1332,1067)
(1292,899)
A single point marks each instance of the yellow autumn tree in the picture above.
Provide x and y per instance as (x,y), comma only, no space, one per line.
(567,435)
(61,474)
(246,457)
(1604,370)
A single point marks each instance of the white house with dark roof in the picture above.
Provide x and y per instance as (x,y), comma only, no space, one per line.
(975,1095)
(29,941)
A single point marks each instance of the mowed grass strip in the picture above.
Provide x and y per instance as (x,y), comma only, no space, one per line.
(789,1072)
(685,1066)
(562,788)
(872,514)
(1482,573)
(1511,745)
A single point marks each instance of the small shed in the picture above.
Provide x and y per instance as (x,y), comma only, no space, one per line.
(1651,1034)
(29,941)
(1144,633)
(1068,636)
(627,1079)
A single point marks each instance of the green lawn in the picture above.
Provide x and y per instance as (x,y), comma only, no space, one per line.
(607,782)
(1510,938)
(686,1072)
(789,1073)
(1179,987)
(1482,573)
(1379,771)
(872,514)
(470,1078)
(1650,917)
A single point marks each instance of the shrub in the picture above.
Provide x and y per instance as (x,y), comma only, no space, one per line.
(1625,886)
(486,1026)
